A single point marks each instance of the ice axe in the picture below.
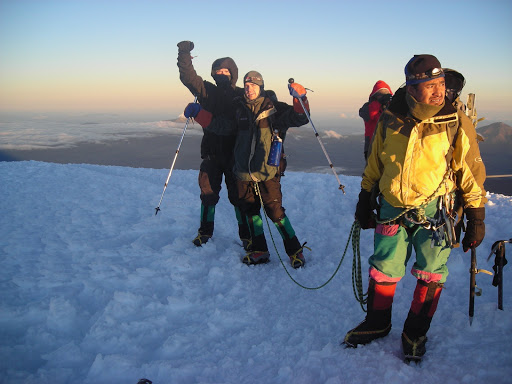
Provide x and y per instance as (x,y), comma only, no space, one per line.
(174,161)
(474,290)
(498,249)
(342,187)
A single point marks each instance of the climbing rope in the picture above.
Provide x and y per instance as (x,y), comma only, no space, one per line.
(356,275)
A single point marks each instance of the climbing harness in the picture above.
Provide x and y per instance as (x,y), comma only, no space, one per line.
(442,225)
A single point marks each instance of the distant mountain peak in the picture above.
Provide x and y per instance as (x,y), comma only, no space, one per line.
(333,134)
(496,133)
(180,119)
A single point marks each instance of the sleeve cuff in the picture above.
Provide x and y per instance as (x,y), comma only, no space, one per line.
(297,107)
(204,118)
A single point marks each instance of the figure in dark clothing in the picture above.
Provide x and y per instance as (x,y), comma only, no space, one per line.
(218,139)
(257,118)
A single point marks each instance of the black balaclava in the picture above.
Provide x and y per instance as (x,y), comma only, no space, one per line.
(223,80)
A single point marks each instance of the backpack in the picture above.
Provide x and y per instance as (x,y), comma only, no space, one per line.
(364,112)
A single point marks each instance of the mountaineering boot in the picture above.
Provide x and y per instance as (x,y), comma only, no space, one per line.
(247,244)
(256,257)
(297,259)
(413,350)
(257,250)
(291,244)
(423,306)
(377,323)
(205,231)
(200,239)
(243,229)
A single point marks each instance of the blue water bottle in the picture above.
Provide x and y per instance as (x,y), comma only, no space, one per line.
(274,157)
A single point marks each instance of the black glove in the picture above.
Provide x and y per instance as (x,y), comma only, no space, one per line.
(185,46)
(475,228)
(364,212)
(385,99)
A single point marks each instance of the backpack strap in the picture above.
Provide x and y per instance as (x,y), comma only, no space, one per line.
(452,132)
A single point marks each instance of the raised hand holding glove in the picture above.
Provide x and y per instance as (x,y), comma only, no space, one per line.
(192,110)
(475,228)
(364,212)
(185,46)
(297,90)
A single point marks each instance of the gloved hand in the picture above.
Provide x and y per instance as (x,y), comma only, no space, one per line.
(297,90)
(192,110)
(475,228)
(364,213)
(200,115)
(185,46)
(385,99)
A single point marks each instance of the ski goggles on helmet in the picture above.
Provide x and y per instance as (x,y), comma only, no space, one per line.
(417,78)
(253,79)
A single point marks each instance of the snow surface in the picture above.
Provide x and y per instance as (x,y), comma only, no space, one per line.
(97,289)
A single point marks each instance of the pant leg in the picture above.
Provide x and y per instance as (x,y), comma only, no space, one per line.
(431,257)
(210,179)
(231,186)
(392,246)
(272,198)
(392,250)
(230,180)
(250,206)
(272,202)
(430,264)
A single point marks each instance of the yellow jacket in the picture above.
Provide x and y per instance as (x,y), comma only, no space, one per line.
(408,157)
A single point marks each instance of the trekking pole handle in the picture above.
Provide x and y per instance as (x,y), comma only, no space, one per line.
(496,245)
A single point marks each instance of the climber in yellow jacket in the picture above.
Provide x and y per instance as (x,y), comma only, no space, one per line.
(423,151)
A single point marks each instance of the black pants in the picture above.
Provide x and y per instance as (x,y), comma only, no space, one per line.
(210,179)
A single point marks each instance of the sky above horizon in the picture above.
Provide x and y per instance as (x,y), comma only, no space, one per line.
(111,56)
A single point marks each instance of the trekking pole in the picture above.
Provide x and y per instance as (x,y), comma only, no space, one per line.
(498,249)
(342,187)
(473,289)
(472,285)
(174,161)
